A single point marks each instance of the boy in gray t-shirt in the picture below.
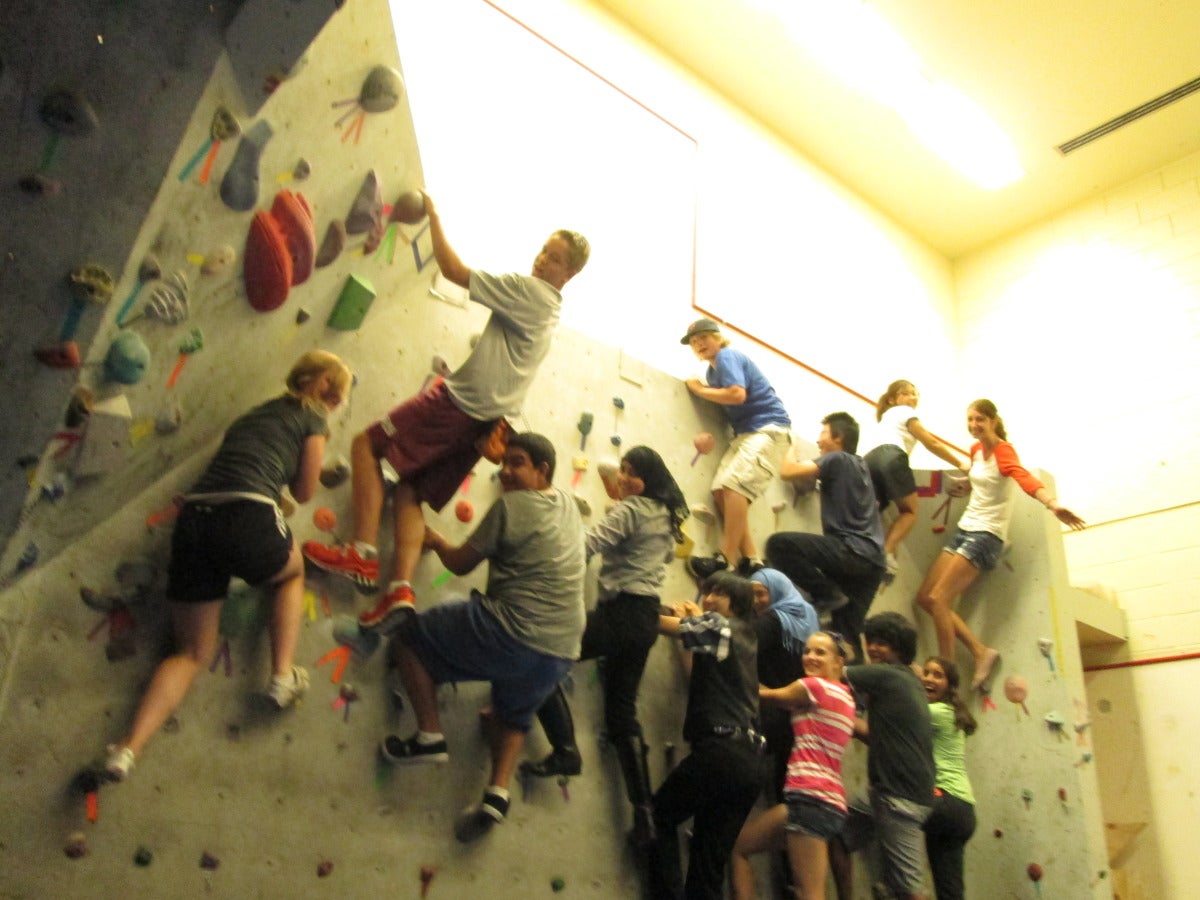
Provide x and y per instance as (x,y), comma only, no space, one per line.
(522,636)
(432,439)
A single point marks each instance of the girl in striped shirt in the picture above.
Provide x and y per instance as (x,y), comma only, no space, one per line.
(815,802)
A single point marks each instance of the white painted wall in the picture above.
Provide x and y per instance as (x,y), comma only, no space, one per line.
(782,251)
(1085,331)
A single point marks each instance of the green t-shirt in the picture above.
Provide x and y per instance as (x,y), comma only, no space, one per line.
(949,748)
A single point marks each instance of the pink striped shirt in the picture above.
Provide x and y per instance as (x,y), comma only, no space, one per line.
(822,732)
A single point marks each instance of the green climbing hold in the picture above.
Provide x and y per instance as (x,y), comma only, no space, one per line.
(557,884)
(143,857)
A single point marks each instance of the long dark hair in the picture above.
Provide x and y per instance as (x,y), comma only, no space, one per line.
(660,485)
(963,720)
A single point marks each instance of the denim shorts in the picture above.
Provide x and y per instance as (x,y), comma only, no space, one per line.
(980,548)
(812,817)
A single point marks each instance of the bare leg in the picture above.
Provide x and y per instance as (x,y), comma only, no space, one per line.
(367,490)
(809,857)
(506,750)
(410,532)
(421,690)
(906,508)
(760,833)
(287,612)
(736,538)
(196,630)
(950,575)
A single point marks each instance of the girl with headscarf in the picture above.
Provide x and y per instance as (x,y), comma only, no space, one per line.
(783,621)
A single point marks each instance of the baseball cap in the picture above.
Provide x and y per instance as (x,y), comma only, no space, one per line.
(700,326)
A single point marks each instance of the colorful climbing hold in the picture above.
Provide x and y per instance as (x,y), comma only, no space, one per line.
(464,510)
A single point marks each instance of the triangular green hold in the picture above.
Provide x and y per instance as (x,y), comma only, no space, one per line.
(351,307)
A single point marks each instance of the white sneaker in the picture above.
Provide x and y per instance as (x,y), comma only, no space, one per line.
(284,691)
(118,762)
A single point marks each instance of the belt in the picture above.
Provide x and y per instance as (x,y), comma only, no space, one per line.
(732,731)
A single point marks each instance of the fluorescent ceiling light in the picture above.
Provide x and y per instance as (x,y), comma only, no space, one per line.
(856,44)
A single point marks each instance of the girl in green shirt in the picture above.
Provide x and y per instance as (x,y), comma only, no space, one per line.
(952,821)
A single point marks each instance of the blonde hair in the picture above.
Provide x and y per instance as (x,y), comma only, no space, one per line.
(311,366)
(578,249)
(888,400)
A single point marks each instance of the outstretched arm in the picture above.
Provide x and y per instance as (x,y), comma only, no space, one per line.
(935,446)
(1010,466)
(791,696)
(452,267)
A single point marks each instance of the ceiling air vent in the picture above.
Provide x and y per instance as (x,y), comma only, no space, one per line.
(1132,116)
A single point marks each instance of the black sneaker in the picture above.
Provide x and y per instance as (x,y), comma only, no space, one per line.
(703,567)
(748,565)
(559,762)
(404,752)
(836,600)
(477,820)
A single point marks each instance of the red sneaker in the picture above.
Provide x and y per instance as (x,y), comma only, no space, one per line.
(343,559)
(392,606)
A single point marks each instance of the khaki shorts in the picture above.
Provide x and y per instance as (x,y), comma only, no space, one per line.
(751,461)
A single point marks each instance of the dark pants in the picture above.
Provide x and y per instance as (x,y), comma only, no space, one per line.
(715,786)
(947,831)
(823,566)
(621,629)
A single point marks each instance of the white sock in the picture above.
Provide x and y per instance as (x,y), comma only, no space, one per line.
(498,791)
(425,738)
(396,585)
(365,550)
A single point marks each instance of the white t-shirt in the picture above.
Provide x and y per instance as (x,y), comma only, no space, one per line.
(892,428)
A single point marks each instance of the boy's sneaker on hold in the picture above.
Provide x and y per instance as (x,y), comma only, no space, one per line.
(392,607)
(703,567)
(287,689)
(118,762)
(477,820)
(407,751)
(343,559)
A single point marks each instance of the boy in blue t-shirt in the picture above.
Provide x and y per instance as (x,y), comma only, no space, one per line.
(761,437)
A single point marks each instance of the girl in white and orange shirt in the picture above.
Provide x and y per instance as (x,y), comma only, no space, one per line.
(982,530)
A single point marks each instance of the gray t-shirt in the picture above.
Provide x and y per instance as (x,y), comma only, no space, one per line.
(533,541)
(496,376)
(635,542)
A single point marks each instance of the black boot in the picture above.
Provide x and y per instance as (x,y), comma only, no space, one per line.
(631,752)
(564,759)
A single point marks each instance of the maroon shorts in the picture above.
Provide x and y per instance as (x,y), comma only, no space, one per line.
(430,443)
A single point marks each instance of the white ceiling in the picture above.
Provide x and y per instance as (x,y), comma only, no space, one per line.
(1046,72)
